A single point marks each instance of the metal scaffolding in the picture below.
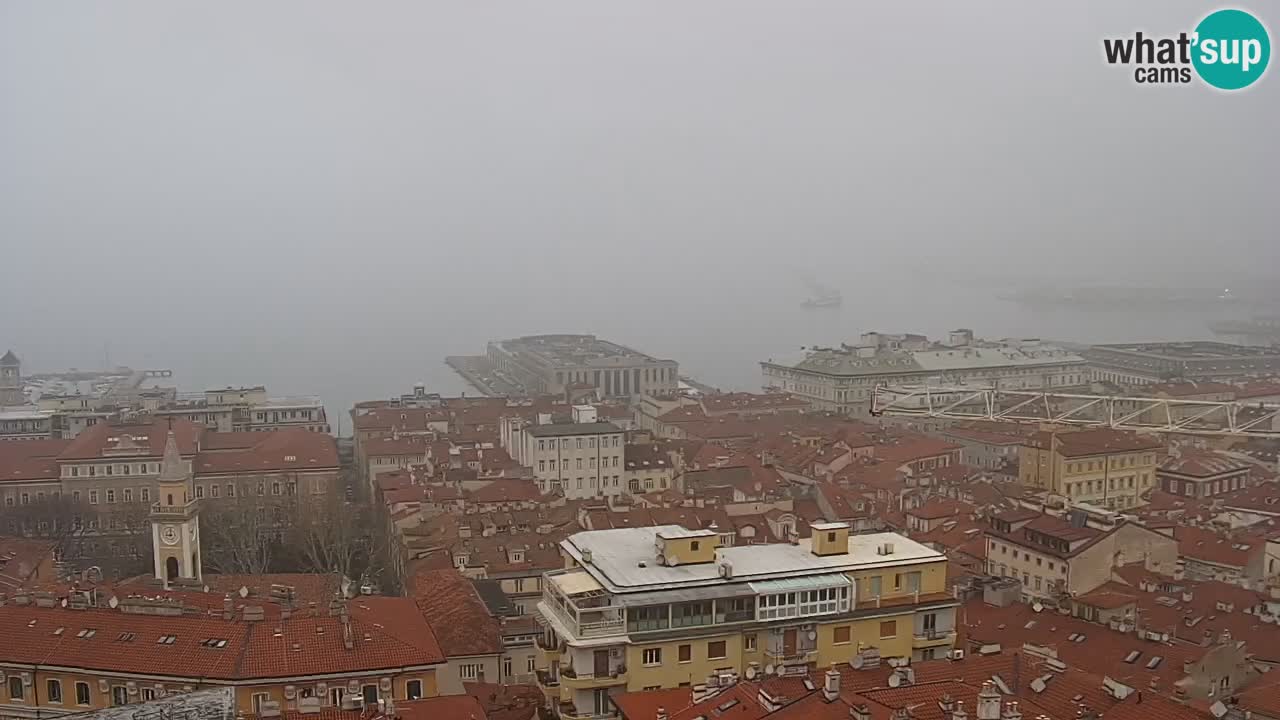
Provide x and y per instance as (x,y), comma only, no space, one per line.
(1197,417)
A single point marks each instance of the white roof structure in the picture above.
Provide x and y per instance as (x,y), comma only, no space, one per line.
(624,559)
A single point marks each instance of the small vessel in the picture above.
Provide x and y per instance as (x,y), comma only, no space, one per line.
(822,296)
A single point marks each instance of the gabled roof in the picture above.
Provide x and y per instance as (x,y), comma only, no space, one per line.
(9,359)
(458,617)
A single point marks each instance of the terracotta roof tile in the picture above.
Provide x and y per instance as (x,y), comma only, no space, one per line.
(457,615)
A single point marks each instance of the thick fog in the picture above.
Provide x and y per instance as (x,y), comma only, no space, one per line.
(330,197)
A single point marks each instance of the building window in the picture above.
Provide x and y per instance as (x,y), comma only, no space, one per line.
(749,642)
(148,694)
(652,657)
(119,695)
(685,654)
(335,696)
(259,699)
(889,629)
(413,690)
(841,635)
(275,488)
(231,492)
(15,688)
(874,586)
(530,666)
(716,650)
(506,667)
(82,693)
(469,671)
(199,492)
(370,693)
(213,490)
(93,497)
(145,494)
(53,691)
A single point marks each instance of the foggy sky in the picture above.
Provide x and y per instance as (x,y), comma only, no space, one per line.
(173,174)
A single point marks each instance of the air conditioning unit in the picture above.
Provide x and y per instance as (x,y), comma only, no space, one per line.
(353,702)
(957,655)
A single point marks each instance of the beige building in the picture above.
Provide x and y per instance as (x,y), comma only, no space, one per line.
(1052,557)
(843,379)
(1111,469)
(583,458)
(665,607)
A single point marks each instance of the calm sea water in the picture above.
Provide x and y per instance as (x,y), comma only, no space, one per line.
(350,355)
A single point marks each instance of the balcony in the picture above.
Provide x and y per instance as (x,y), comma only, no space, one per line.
(933,638)
(575,681)
(567,711)
(546,679)
(791,656)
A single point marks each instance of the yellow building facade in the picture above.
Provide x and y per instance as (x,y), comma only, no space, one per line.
(1106,468)
(664,607)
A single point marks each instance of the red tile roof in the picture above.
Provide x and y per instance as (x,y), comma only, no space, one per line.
(30,459)
(506,490)
(292,450)
(386,633)
(1083,443)
(1202,464)
(150,437)
(458,617)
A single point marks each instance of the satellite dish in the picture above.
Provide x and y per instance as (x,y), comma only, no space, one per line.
(857,662)
(1037,606)
(244,591)
(751,673)
(895,680)
(813,635)
(672,560)
(780,669)
(768,669)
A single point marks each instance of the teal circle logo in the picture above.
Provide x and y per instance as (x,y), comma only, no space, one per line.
(1231,49)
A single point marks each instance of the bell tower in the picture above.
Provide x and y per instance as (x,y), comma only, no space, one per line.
(11,380)
(175,520)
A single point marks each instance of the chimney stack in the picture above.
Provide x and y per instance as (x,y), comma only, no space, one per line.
(860,712)
(988,702)
(958,713)
(662,713)
(831,685)
(1011,711)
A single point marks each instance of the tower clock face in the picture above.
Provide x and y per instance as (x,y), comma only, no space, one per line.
(169,535)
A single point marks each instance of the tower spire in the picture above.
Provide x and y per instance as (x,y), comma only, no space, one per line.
(171,467)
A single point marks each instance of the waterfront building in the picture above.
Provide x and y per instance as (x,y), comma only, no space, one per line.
(1111,469)
(1198,361)
(843,379)
(552,364)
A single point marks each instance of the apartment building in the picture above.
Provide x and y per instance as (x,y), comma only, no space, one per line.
(582,459)
(842,379)
(1053,557)
(1107,468)
(248,409)
(96,652)
(665,607)
(1202,474)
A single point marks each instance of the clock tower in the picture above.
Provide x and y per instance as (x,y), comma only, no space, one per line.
(175,520)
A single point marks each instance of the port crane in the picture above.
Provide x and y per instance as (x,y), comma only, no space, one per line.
(1146,414)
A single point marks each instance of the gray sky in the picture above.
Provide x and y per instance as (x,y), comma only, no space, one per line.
(272,172)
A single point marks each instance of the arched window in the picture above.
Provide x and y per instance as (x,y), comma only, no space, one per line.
(171,568)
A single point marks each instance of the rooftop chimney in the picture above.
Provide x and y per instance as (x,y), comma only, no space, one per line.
(860,712)
(831,685)
(662,713)
(958,713)
(1011,711)
(988,702)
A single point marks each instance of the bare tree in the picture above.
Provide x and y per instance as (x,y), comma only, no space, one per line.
(239,534)
(329,534)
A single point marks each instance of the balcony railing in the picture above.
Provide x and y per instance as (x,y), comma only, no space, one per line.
(546,679)
(791,655)
(578,682)
(934,635)
(569,711)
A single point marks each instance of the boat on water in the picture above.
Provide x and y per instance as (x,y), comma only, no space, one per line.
(821,296)
(824,301)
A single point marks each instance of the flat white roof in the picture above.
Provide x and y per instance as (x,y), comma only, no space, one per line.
(624,559)
(678,532)
(829,526)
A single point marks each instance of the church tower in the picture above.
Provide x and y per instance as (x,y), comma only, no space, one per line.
(175,520)
(11,380)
